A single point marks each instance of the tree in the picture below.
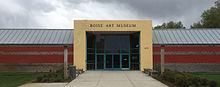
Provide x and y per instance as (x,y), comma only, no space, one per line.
(196,25)
(170,25)
(210,18)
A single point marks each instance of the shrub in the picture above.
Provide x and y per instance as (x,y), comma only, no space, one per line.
(157,67)
(179,79)
(39,79)
(45,80)
(58,80)
(169,76)
(213,84)
(52,77)
(204,82)
(196,81)
(183,79)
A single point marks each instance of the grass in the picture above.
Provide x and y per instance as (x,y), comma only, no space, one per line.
(212,76)
(14,79)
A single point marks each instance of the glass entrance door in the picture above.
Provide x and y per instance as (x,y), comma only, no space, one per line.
(112,50)
(100,61)
(116,61)
(125,61)
(112,61)
(108,62)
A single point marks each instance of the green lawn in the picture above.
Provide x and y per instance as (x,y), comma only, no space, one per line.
(14,79)
(212,76)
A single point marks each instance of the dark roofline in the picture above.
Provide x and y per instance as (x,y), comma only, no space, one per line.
(37,44)
(73,44)
(30,29)
(187,29)
(73,29)
(186,44)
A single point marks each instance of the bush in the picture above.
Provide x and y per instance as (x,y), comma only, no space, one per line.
(204,82)
(39,79)
(196,81)
(183,79)
(156,67)
(213,84)
(52,77)
(58,80)
(45,80)
(168,75)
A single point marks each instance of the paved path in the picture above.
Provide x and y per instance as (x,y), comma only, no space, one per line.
(44,85)
(114,79)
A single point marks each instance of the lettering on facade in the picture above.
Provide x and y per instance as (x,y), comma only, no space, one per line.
(112,25)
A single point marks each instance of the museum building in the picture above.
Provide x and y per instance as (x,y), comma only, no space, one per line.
(109,45)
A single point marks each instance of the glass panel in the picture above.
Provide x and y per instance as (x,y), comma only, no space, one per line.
(90,50)
(90,40)
(108,61)
(115,42)
(134,62)
(116,61)
(90,66)
(100,61)
(125,61)
(91,58)
(99,42)
(134,67)
(134,58)
(124,51)
(135,50)
(112,43)
(100,51)
(134,40)
(124,42)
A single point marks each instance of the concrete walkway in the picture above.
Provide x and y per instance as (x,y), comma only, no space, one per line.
(44,85)
(114,79)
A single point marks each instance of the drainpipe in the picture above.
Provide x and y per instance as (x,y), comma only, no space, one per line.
(162,53)
(65,62)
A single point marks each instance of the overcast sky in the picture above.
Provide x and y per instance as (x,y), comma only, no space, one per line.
(61,13)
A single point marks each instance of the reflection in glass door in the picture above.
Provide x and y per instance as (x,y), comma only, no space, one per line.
(125,61)
(116,61)
(100,61)
(108,61)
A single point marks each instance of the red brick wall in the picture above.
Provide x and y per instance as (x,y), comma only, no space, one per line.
(34,54)
(188,54)
(54,54)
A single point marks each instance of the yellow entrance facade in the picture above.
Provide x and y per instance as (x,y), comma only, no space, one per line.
(143,27)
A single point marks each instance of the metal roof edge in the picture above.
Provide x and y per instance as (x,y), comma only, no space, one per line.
(187,29)
(31,29)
